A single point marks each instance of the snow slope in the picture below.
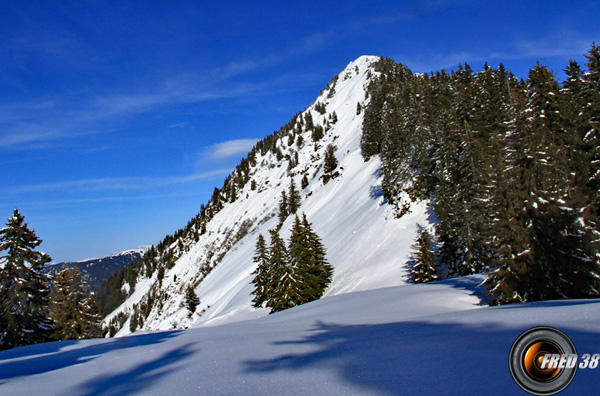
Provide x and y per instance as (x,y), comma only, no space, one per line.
(410,340)
(367,246)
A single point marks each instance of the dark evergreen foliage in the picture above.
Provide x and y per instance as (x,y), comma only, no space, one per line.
(289,203)
(294,199)
(422,267)
(24,290)
(191,300)
(74,310)
(304,182)
(320,107)
(330,163)
(331,87)
(315,270)
(283,208)
(280,293)
(289,276)
(317,133)
(511,167)
(591,114)
(261,275)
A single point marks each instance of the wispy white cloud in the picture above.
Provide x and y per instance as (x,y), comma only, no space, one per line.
(25,125)
(46,122)
(20,138)
(47,204)
(113,184)
(178,125)
(30,125)
(437,61)
(235,68)
(231,148)
(563,43)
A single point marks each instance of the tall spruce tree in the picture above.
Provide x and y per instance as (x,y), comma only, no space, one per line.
(262,275)
(449,209)
(283,209)
(591,143)
(24,290)
(300,251)
(575,125)
(282,288)
(191,300)
(73,308)
(318,273)
(422,266)
(294,199)
(330,162)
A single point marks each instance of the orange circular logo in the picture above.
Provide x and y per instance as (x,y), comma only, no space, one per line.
(543,361)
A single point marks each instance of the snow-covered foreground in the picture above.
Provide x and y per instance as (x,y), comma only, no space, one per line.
(407,340)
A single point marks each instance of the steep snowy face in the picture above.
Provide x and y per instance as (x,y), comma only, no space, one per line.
(366,244)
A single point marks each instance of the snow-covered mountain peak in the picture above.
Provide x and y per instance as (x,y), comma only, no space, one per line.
(138,250)
(366,244)
(363,61)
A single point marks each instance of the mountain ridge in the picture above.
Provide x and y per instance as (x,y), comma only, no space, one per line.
(367,245)
(95,270)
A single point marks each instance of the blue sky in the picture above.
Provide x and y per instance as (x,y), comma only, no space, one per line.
(118,119)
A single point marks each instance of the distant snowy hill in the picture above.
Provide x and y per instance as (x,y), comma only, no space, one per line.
(366,244)
(95,271)
(429,339)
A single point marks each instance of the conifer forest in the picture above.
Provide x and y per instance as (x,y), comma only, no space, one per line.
(511,165)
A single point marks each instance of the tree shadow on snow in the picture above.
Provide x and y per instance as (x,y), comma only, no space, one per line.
(43,358)
(376,192)
(138,378)
(416,358)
